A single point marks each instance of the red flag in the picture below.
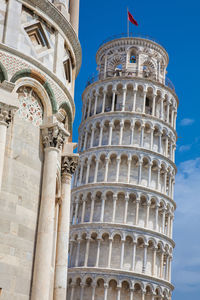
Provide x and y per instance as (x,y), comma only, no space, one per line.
(131,19)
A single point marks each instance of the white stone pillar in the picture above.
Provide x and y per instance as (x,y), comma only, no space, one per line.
(147,215)
(87,252)
(144,259)
(83,211)
(113,100)
(93,291)
(118,293)
(92,137)
(106,169)
(169,269)
(105,291)
(76,212)
(175,116)
(161,264)
(163,221)
(88,171)
(154,105)
(166,146)
(151,138)
(121,132)
(114,208)
(144,101)
(72,291)
(74,14)
(129,169)
(149,174)
(158,178)
(82,291)
(110,133)
(85,141)
(168,225)
(140,171)
(131,294)
(159,141)
(165,181)
(133,256)
(98,252)
(68,167)
(81,173)
(104,101)
(77,252)
(53,139)
(95,103)
(101,135)
(134,99)
(89,106)
(161,108)
(96,170)
(171,227)
(154,261)
(5,119)
(168,107)
(126,208)
(156,217)
(124,98)
(110,252)
(102,208)
(137,211)
(118,167)
(122,254)
(142,136)
(132,132)
(92,209)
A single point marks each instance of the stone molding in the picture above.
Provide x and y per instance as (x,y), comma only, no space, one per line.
(125,115)
(119,227)
(50,10)
(118,185)
(138,80)
(123,274)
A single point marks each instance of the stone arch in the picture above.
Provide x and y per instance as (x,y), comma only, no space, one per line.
(3,73)
(42,80)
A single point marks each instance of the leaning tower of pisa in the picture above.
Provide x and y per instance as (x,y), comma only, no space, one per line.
(122,201)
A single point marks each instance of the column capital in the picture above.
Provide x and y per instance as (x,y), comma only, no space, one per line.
(53,135)
(68,165)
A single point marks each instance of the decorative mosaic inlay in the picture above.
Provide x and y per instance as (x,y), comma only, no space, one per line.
(30,106)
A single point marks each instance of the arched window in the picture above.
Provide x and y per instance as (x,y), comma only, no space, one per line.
(30,105)
(132,56)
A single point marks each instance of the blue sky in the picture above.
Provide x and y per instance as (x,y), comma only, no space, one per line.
(176,24)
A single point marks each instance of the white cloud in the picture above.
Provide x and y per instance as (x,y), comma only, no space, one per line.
(186,266)
(186,122)
(184,148)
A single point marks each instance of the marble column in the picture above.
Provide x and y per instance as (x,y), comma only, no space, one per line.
(124,98)
(5,119)
(101,135)
(74,14)
(134,99)
(53,139)
(68,167)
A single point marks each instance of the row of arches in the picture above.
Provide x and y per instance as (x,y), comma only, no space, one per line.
(126,168)
(128,132)
(110,287)
(130,97)
(123,208)
(127,252)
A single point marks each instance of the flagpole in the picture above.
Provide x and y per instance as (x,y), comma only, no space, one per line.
(127,22)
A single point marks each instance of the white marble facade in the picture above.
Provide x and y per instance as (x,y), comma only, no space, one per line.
(122,208)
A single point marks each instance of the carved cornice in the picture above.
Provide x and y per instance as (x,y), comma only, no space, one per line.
(53,136)
(48,9)
(69,165)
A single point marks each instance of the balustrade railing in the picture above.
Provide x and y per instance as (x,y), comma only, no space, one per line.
(124,73)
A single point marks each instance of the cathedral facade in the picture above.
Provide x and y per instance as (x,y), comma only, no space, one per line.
(122,213)
(40,57)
